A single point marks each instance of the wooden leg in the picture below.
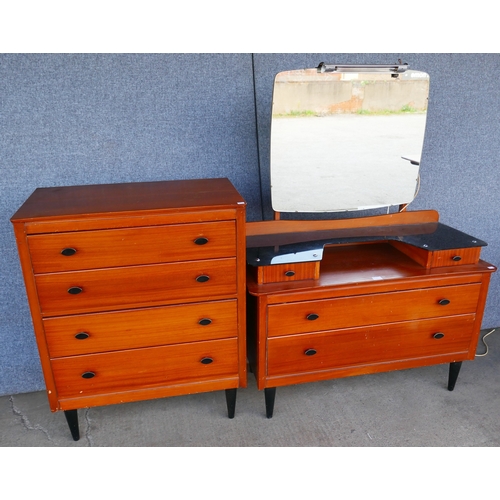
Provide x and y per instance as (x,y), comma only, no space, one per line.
(231,402)
(270,396)
(72,419)
(453,375)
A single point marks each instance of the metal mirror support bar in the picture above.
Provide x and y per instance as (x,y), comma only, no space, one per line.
(362,68)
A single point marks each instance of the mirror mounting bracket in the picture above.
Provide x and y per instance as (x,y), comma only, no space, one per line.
(364,68)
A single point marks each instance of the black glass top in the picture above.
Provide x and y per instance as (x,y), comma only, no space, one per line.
(308,246)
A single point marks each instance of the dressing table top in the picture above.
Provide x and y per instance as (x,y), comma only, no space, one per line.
(419,229)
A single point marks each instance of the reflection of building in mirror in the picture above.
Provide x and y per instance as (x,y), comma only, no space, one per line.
(346,141)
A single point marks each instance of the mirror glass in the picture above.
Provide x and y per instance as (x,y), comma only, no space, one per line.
(346,140)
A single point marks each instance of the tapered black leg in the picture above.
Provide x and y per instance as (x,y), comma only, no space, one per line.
(72,419)
(270,396)
(453,375)
(231,402)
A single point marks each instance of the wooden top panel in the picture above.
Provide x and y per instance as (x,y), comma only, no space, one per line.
(106,199)
(256,230)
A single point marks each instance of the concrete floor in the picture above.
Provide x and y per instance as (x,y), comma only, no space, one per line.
(409,408)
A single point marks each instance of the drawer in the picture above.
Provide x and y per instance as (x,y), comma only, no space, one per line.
(133,246)
(138,286)
(286,272)
(439,258)
(360,346)
(122,371)
(114,331)
(360,310)
(457,257)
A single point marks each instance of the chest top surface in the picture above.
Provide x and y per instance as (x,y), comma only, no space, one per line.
(108,199)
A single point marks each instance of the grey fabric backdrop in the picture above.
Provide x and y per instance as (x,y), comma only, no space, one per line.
(68,119)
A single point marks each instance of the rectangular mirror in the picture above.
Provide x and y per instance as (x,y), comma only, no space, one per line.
(346,138)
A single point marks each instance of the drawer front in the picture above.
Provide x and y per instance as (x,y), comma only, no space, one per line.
(457,257)
(139,286)
(133,246)
(145,368)
(286,272)
(359,346)
(344,312)
(114,331)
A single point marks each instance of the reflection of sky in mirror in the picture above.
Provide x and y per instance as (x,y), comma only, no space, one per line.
(344,161)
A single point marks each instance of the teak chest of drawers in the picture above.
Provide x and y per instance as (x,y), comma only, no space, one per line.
(372,303)
(136,291)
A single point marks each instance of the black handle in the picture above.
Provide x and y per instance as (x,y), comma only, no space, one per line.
(75,290)
(438,335)
(68,252)
(290,273)
(310,352)
(206,361)
(201,241)
(88,375)
(456,258)
(205,321)
(312,316)
(443,302)
(82,335)
(202,278)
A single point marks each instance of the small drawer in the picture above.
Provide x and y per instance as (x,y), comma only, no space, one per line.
(132,246)
(286,272)
(363,346)
(121,371)
(439,258)
(133,287)
(114,331)
(360,310)
(459,257)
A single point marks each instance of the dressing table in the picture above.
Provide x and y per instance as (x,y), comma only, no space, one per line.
(331,298)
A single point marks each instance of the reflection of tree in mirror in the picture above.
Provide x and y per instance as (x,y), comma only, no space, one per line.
(296,114)
(407,108)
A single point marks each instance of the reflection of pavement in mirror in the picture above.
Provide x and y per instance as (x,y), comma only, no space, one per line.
(344,162)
